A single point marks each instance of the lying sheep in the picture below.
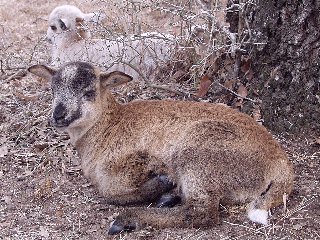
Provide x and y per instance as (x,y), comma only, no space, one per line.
(137,56)
(136,153)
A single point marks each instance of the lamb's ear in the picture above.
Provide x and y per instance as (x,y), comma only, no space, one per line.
(42,71)
(79,21)
(113,79)
(80,24)
(95,17)
(64,23)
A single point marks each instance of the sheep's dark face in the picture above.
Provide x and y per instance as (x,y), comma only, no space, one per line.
(78,89)
(76,96)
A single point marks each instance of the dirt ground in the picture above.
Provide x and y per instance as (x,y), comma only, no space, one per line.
(43,194)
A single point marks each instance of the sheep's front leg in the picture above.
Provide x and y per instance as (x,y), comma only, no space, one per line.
(136,179)
(168,200)
(200,208)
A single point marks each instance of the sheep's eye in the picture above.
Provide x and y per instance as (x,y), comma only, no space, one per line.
(53,28)
(89,95)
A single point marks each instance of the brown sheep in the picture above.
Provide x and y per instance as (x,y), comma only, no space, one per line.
(136,152)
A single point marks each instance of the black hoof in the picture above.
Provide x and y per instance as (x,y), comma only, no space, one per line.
(168,201)
(166,182)
(117,228)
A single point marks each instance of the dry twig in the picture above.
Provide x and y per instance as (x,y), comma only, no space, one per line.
(234,93)
(19,74)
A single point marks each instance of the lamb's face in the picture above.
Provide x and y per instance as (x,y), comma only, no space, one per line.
(77,101)
(66,22)
(78,90)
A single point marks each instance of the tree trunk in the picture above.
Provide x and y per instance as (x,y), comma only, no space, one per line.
(287,66)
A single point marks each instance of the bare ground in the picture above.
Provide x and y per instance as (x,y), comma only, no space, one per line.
(43,194)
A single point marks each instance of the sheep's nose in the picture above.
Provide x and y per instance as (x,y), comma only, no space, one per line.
(59,113)
(47,39)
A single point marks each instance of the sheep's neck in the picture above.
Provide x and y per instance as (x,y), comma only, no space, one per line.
(72,38)
(71,41)
(92,137)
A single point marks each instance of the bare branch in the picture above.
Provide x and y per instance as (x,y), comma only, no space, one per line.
(234,93)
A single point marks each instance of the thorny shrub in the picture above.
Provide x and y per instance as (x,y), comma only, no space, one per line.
(213,40)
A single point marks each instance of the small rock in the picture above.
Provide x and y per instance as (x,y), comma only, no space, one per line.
(6,199)
(297,227)
(44,232)
(3,150)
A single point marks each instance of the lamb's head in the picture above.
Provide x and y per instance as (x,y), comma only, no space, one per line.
(67,22)
(80,95)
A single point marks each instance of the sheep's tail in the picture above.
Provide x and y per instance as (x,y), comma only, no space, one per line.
(275,194)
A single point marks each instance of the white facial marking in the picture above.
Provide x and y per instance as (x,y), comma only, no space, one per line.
(69,72)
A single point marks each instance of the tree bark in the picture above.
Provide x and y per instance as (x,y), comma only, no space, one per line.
(287,63)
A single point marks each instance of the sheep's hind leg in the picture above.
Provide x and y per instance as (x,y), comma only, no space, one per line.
(168,200)
(196,213)
(154,188)
(139,179)
(148,192)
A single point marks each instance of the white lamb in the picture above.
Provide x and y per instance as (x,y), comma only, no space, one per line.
(138,56)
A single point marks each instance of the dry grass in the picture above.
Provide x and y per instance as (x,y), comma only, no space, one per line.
(43,194)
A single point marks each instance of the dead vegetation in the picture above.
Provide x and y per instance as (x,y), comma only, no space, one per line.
(43,194)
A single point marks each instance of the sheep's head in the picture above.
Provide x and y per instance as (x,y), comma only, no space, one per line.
(79,91)
(69,23)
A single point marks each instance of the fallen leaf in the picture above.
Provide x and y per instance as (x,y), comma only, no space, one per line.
(44,189)
(255,92)
(298,227)
(178,76)
(229,83)
(204,86)
(199,49)
(23,97)
(87,185)
(256,114)
(17,83)
(73,170)
(274,73)
(40,146)
(249,75)
(238,104)
(59,213)
(317,141)
(245,65)
(214,65)
(27,172)
(242,91)
(273,76)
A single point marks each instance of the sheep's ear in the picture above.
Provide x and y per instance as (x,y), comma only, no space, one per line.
(113,79)
(80,24)
(42,71)
(79,21)
(64,23)
(95,17)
